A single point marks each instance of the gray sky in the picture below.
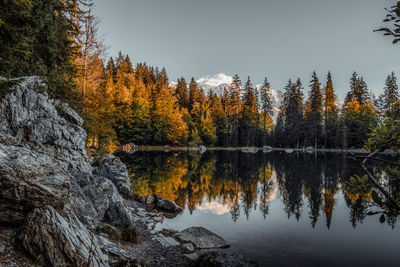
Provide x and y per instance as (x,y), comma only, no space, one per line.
(280,39)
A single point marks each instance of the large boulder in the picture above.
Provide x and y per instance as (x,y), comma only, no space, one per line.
(108,203)
(50,127)
(112,168)
(201,238)
(27,180)
(60,240)
(159,203)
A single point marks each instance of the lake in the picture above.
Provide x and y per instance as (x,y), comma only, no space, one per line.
(275,208)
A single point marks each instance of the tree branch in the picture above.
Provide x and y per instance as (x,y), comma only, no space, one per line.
(377,185)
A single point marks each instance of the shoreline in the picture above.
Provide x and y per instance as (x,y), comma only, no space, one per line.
(167,148)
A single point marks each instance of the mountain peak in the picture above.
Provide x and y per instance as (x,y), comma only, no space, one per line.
(214,80)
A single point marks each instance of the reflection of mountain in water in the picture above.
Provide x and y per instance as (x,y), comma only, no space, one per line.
(241,183)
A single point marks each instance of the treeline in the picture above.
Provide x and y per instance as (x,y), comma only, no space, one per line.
(57,40)
(318,121)
(136,105)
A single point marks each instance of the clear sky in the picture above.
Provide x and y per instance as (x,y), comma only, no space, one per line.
(280,39)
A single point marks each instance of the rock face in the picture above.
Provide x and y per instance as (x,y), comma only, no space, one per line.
(32,120)
(201,238)
(49,187)
(27,180)
(62,240)
(113,169)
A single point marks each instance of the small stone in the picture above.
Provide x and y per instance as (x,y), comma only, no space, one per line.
(141,213)
(188,246)
(166,241)
(192,256)
(2,248)
(150,200)
(166,205)
(169,232)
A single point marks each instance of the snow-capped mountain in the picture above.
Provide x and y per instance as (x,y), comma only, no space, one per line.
(216,83)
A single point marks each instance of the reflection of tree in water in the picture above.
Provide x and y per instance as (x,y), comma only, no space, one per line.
(242,182)
(330,185)
(266,188)
(290,180)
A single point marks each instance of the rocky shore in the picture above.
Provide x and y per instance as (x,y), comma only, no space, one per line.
(59,209)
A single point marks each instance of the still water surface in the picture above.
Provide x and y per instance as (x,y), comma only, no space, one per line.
(277,209)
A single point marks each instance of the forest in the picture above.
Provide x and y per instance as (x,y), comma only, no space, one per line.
(123,103)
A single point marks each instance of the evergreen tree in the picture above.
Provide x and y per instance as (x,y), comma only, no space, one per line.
(294,113)
(390,95)
(249,116)
(125,81)
(234,108)
(181,93)
(193,93)
(314,111)
(358,90)
(39,39)
(331,133)
(266,98)
(266,106)
(359,120)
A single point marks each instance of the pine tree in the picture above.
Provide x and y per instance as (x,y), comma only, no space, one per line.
(293,115)
(234,108)
(40,40)
(266,98)
(193,93)
(358,90)
(181,93)
(314,112)
(266,106)
(390,95)
(249,116)
(330,115)
(125,80)
(359,120)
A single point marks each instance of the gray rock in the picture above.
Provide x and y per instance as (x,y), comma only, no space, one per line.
(113,169)
(65,111)
(202,149)
(192,256)
(188,246)
(267,149)
(162,204)
(62,240)
(29,179)
(117,255)
(201,238)
(168,232)
(166,205)
(166,241)
(31,120)
(2,248)
(108,203)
